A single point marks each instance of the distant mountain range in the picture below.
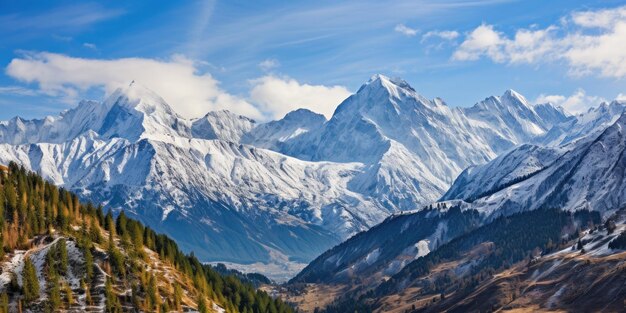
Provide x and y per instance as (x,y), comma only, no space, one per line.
(543,206)
(235,190)
(588,174)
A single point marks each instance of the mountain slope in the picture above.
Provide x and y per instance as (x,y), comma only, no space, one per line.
(588,174)
(383,250)
(214,185)
(414,147)
(63,255)
(525,257)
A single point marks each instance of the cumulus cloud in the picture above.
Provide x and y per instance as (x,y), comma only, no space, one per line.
(590,42)
(281,95)
(269,64)
(576,103)
(405,30)
(178,80)
(621,97)
(442,34)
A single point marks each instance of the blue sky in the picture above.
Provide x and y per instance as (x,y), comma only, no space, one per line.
(264,58)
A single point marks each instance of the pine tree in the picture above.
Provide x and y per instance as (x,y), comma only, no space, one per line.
(153,292)
(178,297)
(68,295)
(62,256)
(30,281)
(111,302)
(94,232)
(202,306)
(4,303)
(54,292)
(88,264)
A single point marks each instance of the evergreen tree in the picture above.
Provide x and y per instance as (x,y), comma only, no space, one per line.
(30,281)
(202,306)
(62,256)
(31,206)
(4,303)
(111,302)
(54,292)
(69,297)
(88,264)
(178,297)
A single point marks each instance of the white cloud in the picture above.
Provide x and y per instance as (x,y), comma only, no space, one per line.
(269,64)
(405,30)
(621,97)
(280,95)
(483,40)
(576,103)
(590,42)
(178,80)
(190,92)
(606,18)
(443,34)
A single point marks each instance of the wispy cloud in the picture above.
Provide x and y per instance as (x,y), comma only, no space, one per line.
(91,46)
(17,90)
(405,30)
(269,64)
(441,34)
(348,22)
(65,17)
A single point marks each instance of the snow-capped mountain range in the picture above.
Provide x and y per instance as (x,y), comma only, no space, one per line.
(232,189)
(586,174)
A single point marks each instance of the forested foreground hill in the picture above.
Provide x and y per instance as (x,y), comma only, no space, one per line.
(534,261)
(63,255)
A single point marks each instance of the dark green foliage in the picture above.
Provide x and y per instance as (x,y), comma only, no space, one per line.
(255,279)
(30,282)
(4,303)
(117,261)
(512,239)
(54,292)
(389,239)
(48,207)
(178,297)
(111,301)
(56,258)
(88,264)
(202,306)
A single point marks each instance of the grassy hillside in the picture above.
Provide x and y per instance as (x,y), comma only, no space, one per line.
(60,254)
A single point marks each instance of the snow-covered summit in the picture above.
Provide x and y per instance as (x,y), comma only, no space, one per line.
(223,125)
(585,174)
(213,182)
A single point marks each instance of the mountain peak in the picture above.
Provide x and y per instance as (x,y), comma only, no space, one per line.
(389,83)
(515,98)
(304,114)
(138,97)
